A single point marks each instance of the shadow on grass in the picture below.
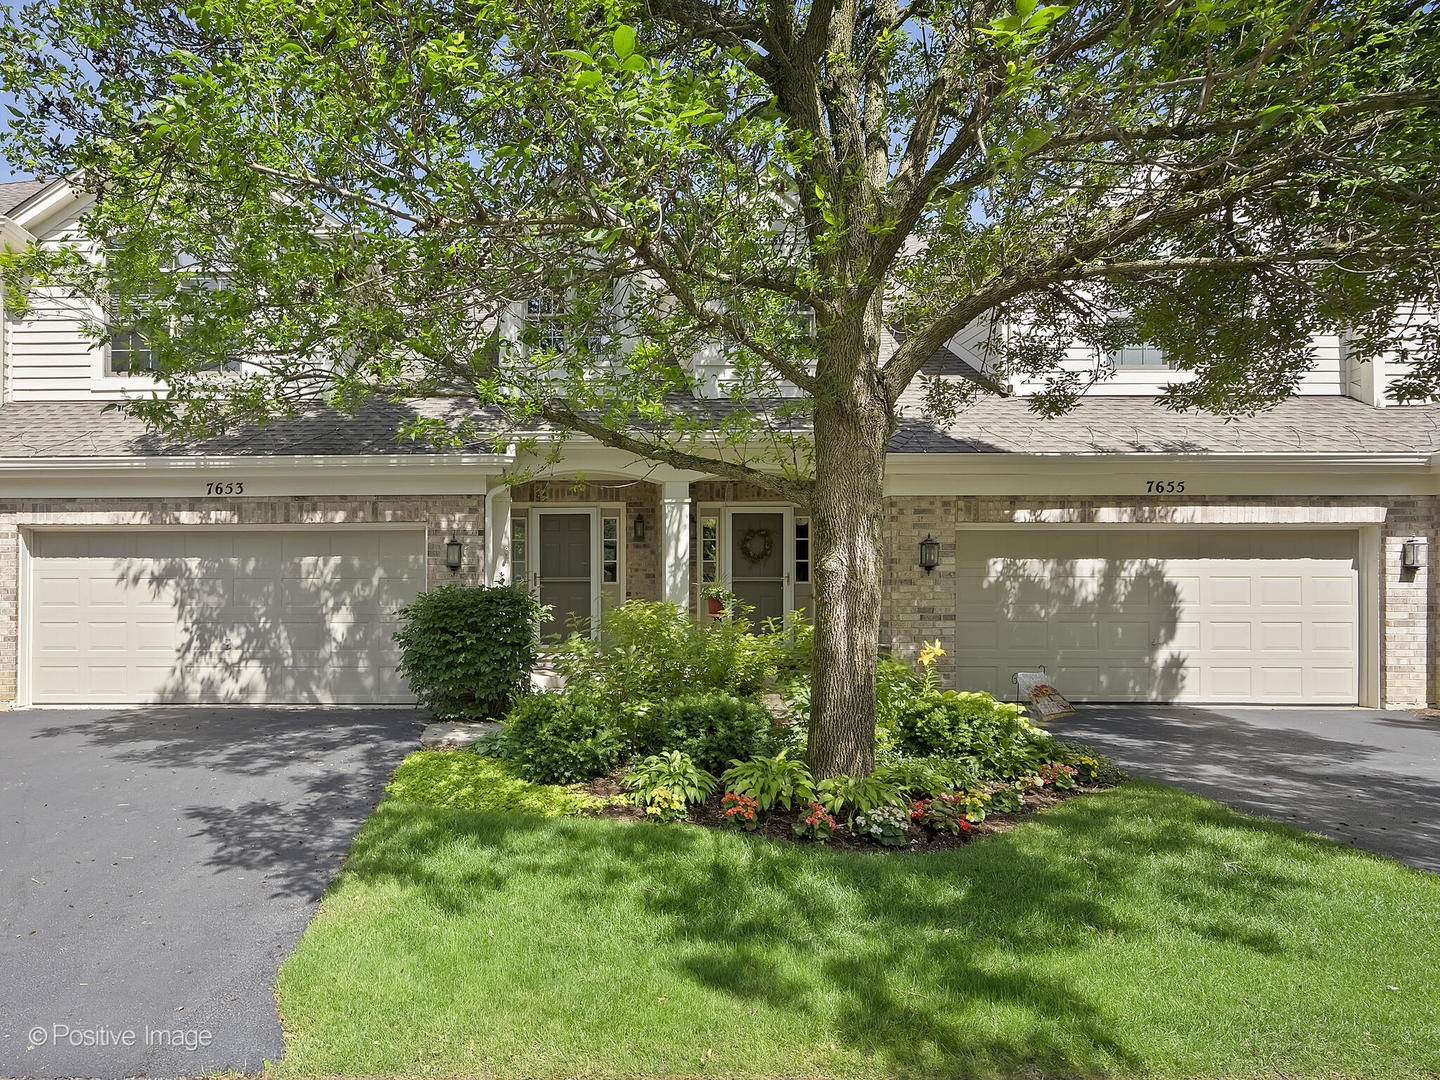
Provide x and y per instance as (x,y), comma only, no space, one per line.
(888,956)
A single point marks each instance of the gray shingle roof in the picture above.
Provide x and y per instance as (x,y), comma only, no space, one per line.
(14,192)
(1140,425)
(80,429)
(1118,425)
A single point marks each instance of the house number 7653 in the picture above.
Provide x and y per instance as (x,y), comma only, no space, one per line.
(1164,487)
(225,487)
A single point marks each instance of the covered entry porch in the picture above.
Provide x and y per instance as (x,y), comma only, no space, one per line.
(587,543)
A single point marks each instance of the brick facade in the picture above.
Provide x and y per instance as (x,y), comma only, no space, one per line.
(640,498)
(915,606)
(918,607)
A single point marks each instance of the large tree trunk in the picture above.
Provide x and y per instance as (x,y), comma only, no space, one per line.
(847,514)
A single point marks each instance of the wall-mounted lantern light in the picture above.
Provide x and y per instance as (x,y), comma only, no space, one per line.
(454,553)
(1412,554)
(639,532)
(929,553)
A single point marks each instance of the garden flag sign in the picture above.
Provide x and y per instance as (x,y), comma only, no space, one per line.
(1048,701)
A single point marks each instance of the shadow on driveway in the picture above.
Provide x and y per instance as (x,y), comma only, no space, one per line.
(156,866)
(1361,776)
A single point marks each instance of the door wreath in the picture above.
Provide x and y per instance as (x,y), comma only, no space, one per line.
(757,544)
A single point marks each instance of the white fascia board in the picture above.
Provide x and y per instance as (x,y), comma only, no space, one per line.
(273,476)
(1214,475)
(60,195)
(13,235)
(1132,461)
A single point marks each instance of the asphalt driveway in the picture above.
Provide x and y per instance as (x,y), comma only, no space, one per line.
(1365,777)
(156,865)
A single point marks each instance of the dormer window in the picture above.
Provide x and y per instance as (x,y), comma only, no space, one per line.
(1137,356)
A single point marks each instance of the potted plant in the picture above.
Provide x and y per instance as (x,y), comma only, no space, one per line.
(717,599)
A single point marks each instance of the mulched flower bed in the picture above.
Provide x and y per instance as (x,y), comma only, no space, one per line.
(778,823)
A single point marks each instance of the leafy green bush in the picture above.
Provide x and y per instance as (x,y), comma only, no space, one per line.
(714,728)
(929,776)
(996,736)
(896,684)
(770,781)
(463,781)
(847,796)
(651,652)
(665,784)
(467,652)
(560,738)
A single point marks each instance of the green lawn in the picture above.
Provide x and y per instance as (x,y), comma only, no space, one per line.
(1137,932)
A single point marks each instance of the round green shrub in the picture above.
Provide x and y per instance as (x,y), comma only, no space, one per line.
(560,739)
(467,651)
(715,729)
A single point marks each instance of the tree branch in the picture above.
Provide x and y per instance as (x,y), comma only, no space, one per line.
(795,490)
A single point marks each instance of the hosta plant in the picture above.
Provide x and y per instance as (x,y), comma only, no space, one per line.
(666,784)
(846,796)
(771,781)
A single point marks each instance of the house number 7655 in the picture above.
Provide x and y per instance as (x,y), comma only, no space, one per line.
(1164,487)
(225,487)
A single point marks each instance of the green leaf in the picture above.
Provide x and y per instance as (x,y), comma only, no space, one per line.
(624,41)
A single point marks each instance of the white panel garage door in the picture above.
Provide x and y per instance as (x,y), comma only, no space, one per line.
(219,616)
(1161,615)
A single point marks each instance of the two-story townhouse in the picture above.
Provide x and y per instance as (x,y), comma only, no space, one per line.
(1135,553)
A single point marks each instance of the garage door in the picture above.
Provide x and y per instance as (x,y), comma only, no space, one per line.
(205,616)
(1163,615)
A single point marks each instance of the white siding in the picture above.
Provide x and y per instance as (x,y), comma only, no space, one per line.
(49,356)
(1323,379)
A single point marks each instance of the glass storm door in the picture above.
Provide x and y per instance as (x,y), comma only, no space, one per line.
(564,569)
(759,555)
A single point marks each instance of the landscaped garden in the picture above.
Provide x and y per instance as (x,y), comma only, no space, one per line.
(549,904)
(675,720)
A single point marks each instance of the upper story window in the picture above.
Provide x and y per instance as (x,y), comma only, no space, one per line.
(1137,356)
(129,353)
(545,322)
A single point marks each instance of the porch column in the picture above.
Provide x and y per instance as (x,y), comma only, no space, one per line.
(497,535)
(675,541)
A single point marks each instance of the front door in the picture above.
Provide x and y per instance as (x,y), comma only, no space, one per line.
(564,569)
(759,555)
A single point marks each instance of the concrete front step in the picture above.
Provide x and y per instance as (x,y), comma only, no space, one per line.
(455,735)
